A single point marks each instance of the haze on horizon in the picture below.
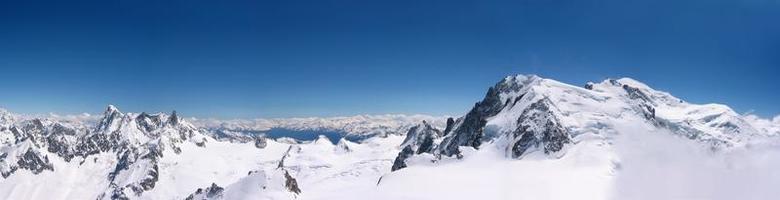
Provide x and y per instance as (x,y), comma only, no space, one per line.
(247,59)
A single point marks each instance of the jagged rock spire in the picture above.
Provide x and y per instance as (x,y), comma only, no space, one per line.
(419,139)
(111,108)
(174,119)
(109,116)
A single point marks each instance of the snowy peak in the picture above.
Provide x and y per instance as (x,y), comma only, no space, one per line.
(715,123)
(343,146)
(110,120)
(174,119)
(323,140)
(6,118)
(501,98)
(137,142)
(141,128)
(517,83)
(419,139)
(149,122)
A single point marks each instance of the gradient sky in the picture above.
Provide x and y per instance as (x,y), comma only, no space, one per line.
(252,58)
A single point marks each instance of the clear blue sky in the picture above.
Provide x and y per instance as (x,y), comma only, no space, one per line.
(252,58)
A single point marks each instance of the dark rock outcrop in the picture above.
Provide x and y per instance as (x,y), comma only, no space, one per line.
(58,143)
(290,183)
(400,160)
(261,142)
(469,132)
(211,192)
(35,162)
(174,119)
(636,93)
(589,86)
(148,122)
(149,167)
(538,126)
(448,127)
(419,139)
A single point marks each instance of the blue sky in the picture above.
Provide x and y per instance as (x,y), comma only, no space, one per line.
(251,58)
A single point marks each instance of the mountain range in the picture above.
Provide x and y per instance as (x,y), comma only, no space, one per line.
(528,138)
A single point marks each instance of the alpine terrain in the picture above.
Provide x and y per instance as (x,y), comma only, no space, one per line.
(529,138)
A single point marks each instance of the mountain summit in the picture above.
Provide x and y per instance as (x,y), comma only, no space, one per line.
(526,113)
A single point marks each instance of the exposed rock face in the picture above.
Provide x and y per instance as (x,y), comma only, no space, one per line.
(146,164)
(143,149)
(400,160)
(468,130)
(643,102)
(59,140)
(147,122)
(211,192)
(538,127)
(419,139)
(448,127)
(35,162)
(174,119)
(290,183)
(589,86)
(137,140)
(33,140)
(469,133)
(109,120)
(635,93)
(260,142)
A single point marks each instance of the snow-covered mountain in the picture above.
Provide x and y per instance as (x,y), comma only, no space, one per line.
(126,146)
(529,113)
(162,156)
(529,138)
(581,129)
